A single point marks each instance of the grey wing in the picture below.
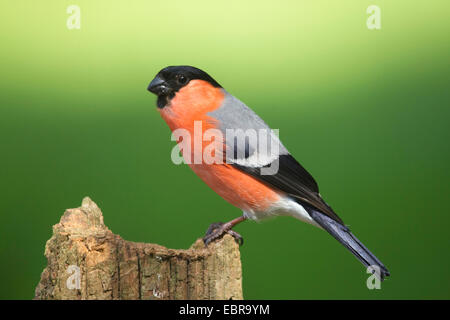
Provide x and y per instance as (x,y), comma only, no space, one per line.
(249,140)
(254,156)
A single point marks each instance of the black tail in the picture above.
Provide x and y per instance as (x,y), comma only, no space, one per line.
(344,236)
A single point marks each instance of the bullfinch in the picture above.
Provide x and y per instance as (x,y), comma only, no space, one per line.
(261,183)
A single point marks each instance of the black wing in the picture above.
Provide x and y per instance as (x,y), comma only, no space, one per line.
(295,181)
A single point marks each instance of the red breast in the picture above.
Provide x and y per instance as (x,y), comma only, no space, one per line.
(192,103)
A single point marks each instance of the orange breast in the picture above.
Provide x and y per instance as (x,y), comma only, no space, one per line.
(237,188)
(192,103)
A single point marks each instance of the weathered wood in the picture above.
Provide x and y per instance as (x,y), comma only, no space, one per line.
(107,267)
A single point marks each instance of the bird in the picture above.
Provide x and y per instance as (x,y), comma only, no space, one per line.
(259,182)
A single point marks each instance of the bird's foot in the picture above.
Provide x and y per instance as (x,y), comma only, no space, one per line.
(218,229)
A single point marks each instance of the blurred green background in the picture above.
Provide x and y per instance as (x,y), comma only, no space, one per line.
(365,111)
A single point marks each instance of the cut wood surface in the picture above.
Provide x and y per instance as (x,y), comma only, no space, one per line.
(85,260)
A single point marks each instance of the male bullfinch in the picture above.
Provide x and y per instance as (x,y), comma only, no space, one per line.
(260,183)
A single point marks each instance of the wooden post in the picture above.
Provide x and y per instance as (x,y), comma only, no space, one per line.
(87,261)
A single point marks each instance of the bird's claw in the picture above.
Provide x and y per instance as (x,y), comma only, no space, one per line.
(217,230)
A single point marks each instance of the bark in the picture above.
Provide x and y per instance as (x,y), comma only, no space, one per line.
(85,260)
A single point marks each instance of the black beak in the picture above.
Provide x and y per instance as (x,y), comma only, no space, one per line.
(158,86)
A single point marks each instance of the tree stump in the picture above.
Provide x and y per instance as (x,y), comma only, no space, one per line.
(85,260)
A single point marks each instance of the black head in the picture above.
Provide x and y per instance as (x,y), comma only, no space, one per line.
(171,79)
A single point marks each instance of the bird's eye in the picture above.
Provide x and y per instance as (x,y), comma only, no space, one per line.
(182,79)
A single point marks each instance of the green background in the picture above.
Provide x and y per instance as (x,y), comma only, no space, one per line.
(365,111)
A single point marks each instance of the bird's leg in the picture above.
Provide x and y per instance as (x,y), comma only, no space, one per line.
(218,229)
